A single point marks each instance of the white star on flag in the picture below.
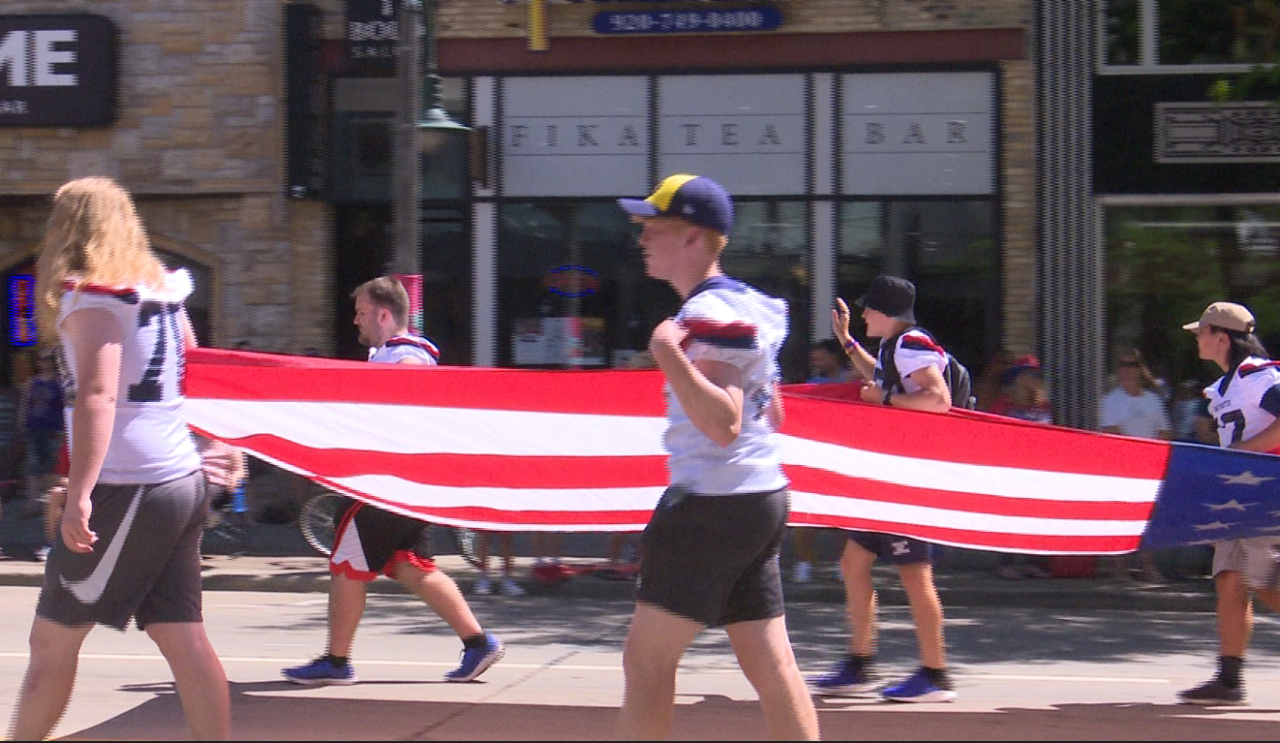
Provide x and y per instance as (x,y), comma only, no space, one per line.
(1232,505)
(1217,525)
(1244,478)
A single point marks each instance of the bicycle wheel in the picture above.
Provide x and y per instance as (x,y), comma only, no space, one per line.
(224,534)
(465,540)
(318,520)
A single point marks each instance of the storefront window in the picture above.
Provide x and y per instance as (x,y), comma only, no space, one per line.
(1215,32)
(572,292)
(947,248)
(769,250)
(1122,30)
(1165,264)
(1189,32)
(447,284)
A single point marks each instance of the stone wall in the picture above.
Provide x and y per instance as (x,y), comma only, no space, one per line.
(199,140)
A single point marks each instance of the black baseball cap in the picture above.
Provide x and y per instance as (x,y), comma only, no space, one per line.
(893,296)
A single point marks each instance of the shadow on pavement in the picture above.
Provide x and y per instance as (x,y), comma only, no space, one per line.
(261,713)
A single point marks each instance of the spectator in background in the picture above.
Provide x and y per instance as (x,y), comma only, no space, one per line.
(989,384)
(828,364)
(41,421)
(1133,408)
(1023,397)
(1189,414)
(40,418)
(507,586)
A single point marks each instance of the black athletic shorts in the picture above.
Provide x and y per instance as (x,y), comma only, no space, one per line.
(714,558)
(893,548)
(371,541)
(145,564)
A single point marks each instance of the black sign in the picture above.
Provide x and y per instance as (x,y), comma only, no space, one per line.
(372,35)
(57,70)
(306,102)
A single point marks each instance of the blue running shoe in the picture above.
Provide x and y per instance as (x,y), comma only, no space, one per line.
(476,661)
(321,672)
(920,688)
(852,676)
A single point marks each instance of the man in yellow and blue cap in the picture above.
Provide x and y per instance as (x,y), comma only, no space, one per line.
(711,546)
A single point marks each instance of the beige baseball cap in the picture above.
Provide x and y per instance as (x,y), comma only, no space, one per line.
(1226,315)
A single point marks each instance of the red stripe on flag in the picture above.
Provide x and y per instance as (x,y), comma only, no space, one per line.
(809,480)
(230,375)
(467,470)
(973,438)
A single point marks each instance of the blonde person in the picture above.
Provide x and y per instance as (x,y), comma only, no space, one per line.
(130,530)
(711,545)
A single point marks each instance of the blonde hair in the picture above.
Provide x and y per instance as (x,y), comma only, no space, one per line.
(93,236)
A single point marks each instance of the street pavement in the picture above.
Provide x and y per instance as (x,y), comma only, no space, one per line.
(1049,659)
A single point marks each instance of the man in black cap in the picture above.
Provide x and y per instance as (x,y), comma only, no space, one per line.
(888,308)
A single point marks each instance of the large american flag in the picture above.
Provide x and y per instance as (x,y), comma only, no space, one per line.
(524,450)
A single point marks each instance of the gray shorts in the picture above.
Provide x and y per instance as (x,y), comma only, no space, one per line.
(145,564)
(714,558)
(1257,559)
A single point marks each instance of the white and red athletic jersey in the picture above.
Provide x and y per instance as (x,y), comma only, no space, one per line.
(731,322)
(405,346)
(150,441)
(1245,401)
(915,350)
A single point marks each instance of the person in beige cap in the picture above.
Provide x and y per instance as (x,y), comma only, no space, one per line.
(1245,405)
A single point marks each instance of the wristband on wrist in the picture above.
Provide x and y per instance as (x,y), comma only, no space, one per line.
(853,343)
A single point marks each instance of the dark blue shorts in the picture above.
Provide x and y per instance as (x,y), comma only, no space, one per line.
(894,549)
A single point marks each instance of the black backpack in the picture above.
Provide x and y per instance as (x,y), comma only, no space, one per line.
(958,379)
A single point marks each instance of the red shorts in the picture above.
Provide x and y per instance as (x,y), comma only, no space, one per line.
(64,461)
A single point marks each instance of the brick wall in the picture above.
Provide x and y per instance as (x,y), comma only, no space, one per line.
(199,140)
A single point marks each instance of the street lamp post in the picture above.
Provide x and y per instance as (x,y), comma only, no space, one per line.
(423,127)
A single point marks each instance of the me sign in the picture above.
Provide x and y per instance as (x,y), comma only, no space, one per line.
(57,70)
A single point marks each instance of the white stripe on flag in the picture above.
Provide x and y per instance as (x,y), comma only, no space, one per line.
(1008,482)
(401,429)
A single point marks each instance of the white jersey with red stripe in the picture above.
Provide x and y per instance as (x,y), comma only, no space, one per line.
(1246,400)
(405,346)
(150,441)
(915,350)
(732,322)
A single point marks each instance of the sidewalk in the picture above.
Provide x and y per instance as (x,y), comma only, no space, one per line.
(278,559)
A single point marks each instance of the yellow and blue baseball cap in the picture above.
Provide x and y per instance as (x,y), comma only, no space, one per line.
(695,199)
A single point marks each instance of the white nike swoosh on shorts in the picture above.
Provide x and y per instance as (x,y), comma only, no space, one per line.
(89,590)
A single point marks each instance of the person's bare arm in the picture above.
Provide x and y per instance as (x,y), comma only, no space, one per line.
(97,338)
(933,395)
(863,361)
(710,392)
